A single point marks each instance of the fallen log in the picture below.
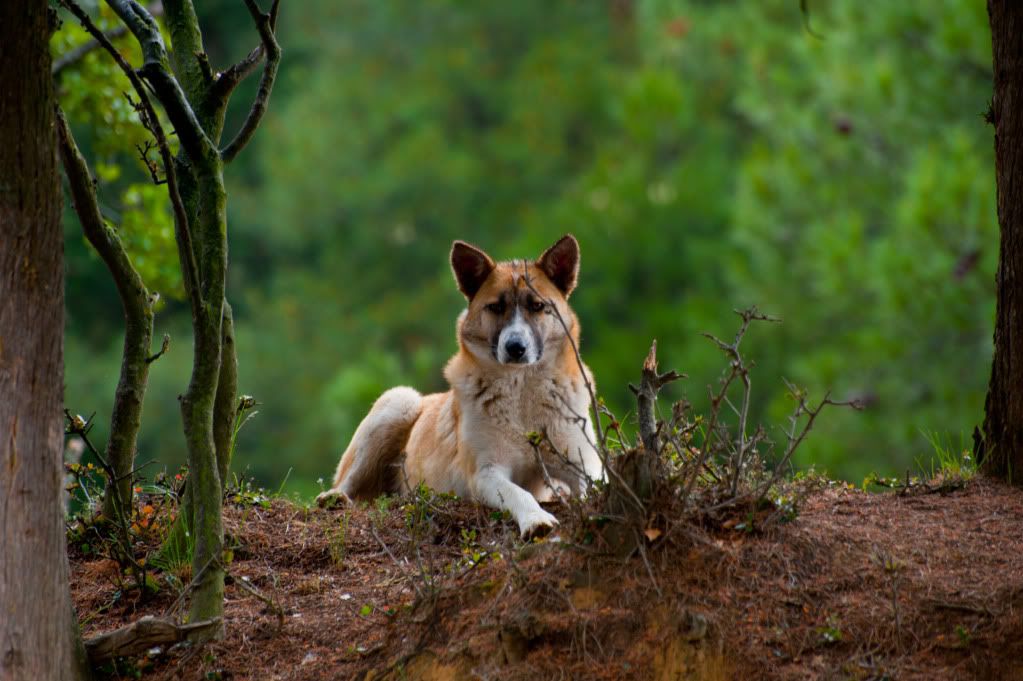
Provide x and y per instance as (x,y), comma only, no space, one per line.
(148,632)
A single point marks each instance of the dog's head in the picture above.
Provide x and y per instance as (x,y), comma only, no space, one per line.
(511,316)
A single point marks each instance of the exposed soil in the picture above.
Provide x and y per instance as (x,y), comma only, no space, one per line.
(858,586)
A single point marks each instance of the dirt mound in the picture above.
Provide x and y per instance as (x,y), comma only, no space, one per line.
(858,586)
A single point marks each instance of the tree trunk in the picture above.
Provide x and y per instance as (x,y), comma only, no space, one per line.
(126,416)
(1002,448)
(198,402)
(37,628)
(195,100)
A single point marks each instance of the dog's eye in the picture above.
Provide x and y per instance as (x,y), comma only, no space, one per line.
(536,306)
(496,308)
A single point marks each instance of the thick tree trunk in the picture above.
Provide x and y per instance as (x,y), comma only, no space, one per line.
(37,628)
(1002,449)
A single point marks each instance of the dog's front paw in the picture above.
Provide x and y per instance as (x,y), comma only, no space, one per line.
(333,498)
(537,524)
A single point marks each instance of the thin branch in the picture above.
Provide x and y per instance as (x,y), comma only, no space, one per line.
(236,73)
(190,271)
(163,349)
(272,605)
(266,24)
(151,166)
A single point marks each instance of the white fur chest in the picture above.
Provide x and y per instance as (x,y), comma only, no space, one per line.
(526,400)
(506,407)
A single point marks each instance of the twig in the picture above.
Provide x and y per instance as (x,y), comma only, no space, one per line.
(736,368)
(794,438)
(163,349)
(270,603)
(154,170)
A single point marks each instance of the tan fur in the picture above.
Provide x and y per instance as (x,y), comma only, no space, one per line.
(472,439)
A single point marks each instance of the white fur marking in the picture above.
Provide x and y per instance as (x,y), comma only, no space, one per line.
(518,330)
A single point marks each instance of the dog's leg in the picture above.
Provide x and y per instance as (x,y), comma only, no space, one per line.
(364,470)
(493,486)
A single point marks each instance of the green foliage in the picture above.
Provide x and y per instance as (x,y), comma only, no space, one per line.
(950,462)
(339,541)
(708,156)
(830,633)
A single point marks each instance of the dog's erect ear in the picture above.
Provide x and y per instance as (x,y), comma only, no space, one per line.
(560,263)
(471,266)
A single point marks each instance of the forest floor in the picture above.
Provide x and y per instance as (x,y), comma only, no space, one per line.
(856,586)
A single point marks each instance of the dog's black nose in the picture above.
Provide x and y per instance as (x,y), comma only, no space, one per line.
(515,348)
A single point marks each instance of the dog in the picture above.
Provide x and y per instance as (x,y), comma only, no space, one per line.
(515,428)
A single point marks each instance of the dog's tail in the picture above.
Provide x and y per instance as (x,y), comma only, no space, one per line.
(368,467)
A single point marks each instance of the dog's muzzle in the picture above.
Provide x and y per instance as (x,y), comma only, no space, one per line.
(516,343)
(515,350)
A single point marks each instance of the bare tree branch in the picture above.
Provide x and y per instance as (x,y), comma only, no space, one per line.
(237,72)
(190,272)
(266,24)
(241,70)
(646,398)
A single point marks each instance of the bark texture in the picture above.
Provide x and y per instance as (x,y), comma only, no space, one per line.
(195,97)
(38,631)
(226,407)
(126,416)
(1002,447)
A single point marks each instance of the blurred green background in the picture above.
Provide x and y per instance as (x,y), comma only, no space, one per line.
(707,155)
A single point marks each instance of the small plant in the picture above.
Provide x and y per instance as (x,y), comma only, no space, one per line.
(950,469)
(950,463)
(831,632)
(473,554)
(244,492)
(420,508)
(140,523)
(964,636)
